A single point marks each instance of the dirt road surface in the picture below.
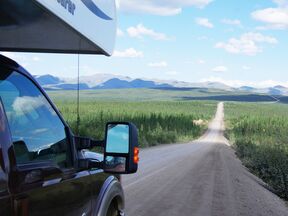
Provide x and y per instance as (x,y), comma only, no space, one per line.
(200,178)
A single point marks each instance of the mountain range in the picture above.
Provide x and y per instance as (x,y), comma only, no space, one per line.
(109,81)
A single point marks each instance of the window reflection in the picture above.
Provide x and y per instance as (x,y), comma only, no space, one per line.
(37,131)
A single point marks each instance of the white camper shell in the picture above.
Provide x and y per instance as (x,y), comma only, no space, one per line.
(58,26)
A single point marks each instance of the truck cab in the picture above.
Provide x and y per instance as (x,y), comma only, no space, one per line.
(45,169)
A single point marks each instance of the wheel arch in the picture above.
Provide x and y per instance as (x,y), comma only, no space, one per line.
(111,191)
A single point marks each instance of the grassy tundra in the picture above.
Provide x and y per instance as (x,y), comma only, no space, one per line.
(260,136)
(259,131)
(158,122)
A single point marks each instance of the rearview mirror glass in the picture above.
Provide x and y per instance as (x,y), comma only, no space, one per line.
(117,140)
(121,153)
(116,164)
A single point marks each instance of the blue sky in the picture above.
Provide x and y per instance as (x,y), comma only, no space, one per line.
(236,42)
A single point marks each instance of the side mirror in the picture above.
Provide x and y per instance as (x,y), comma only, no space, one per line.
(121,152)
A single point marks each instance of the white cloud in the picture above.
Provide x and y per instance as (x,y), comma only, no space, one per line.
(128,53)
(26,104)
(234,22)
(188,61)
(201,61)
(172,73)
(257,37)
(220,69)
(158,64)
(24,59)
(239,83)
(204,22)
(281,3)
(202,38)
(245,67)
(159,7)
(139,31)
(35,58)
(247,44)
(9,54)
(274,18)
(120,33)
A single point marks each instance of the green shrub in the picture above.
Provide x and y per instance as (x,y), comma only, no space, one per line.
(260,136)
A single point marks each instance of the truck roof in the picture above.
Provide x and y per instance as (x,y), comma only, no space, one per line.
(58,26)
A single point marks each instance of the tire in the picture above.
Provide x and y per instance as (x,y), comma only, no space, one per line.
(113,210)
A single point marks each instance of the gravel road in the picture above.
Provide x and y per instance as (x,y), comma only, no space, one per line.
(203,177)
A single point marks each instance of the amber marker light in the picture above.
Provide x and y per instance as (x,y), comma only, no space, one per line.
(136,155)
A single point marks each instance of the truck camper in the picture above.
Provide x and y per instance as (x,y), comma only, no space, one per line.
(58,26)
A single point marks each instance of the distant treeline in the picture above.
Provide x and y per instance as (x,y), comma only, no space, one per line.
(283,99)
(236,98)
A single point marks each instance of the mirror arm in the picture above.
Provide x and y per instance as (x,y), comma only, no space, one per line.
(96,164)
(89,164)
(97,143)
(87,143)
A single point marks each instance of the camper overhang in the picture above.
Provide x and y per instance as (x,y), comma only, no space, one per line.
(58,26)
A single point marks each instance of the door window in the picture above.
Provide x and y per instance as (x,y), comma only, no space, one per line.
(38,134)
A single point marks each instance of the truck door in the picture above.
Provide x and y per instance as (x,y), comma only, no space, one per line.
(5,198)
(44,180)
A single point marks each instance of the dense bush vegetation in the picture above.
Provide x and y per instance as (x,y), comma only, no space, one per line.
(157,122)
(260,135)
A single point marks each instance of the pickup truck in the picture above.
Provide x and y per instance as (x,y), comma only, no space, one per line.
(44,168)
